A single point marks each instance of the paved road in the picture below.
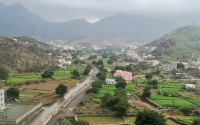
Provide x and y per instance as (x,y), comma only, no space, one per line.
(48,111)
(67,111)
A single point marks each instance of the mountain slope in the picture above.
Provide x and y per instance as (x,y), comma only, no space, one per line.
(16,20)
(180,44)
(24,57)
(134,27)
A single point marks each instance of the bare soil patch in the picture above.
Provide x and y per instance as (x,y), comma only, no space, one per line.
(140,104)
(44,90)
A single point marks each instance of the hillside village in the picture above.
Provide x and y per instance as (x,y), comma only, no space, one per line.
(121,70)
(124,62)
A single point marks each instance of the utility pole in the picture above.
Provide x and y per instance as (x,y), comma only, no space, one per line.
(173,107)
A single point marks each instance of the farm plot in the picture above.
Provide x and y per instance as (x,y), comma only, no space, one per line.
(59,74)
(44,92)
(168,101)
(193,96)
(111,89)
(171,91)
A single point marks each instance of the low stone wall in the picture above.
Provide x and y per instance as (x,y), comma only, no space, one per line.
(24,119)
(7,122)
(177,121)
(180,96)
(152,103)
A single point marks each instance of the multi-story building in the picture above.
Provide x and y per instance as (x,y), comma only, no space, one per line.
(169,67)
(2,100)
(127,76)
(153,62)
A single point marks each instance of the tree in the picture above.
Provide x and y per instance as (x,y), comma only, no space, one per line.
(76,61)
(47,74)
(121,83)
(61,89)
(149,117)
(97,84)
(102,74)
(180,66)
(196,121)
(75,74)
(117,102)
(109,61)
(3,73)
(121,106)
(12,93)
(128,68)
(153,83)
(121,102)
(148,76)
(108,100)
(119,68)
(87,70)
(146,93)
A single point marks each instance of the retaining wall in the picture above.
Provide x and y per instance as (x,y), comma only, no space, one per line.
(24,119)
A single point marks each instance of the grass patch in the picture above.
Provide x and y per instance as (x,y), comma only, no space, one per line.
(170,91)
(59,74)
(111,89)
(23,78)
(168,101)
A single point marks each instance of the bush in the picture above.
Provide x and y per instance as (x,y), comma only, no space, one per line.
(47,74)
(186,111)
(3,73)
(165,94)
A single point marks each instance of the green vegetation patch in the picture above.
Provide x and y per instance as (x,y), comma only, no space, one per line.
(170,91)
(168,101)
(57,75)
(106,88)
(111,89)
(23,78)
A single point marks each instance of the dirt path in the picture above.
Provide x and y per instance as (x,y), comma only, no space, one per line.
(140,104)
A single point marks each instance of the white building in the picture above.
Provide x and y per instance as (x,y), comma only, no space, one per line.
(110,81)
(153,62)
(2,99)
(190,86)
(122,64)
(61,60)
(68,62)
(169,67)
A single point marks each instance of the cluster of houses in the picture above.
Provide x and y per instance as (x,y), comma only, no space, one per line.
(64,60)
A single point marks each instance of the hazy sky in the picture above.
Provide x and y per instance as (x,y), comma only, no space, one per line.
(181,11)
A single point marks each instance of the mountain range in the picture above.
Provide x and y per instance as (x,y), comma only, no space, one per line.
(16,20)
(183,43)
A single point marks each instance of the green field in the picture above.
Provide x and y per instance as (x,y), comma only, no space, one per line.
(171,84)
(57,75)
(23,78)
(111,89)
(168,101)
(170,91)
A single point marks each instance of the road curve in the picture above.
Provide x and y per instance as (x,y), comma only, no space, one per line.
(49,111)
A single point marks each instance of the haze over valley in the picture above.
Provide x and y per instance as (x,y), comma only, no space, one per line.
(100,62)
